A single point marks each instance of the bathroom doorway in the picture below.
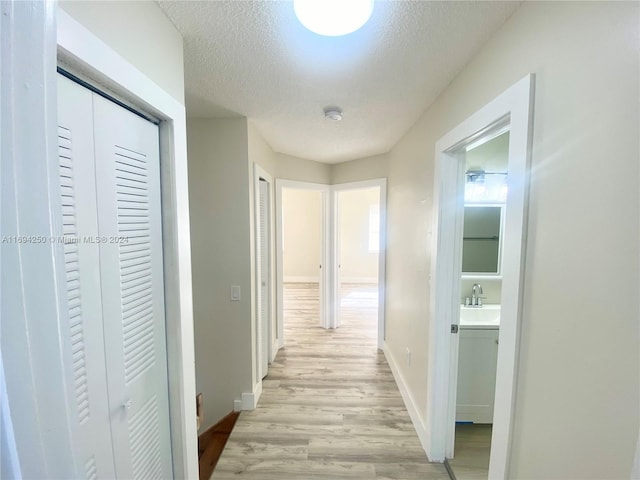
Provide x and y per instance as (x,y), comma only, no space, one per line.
(511,110)
(485,194)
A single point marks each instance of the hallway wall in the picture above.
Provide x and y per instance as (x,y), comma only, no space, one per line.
(137,30)
(357,263)
(302,235)
(220,251)
(360,169)
(221,156)
(578,378)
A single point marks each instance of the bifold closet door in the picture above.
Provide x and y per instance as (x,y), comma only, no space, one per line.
(265,280)
(83,327)
(118,222)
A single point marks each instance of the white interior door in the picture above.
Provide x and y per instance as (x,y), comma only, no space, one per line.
(337,252)
(265,277)
(118,222)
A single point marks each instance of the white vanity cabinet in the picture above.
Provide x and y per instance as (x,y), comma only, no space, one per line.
(477,359)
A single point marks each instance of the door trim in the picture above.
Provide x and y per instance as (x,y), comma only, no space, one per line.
(516,105)
(381,183)
(79,48)
(325,290)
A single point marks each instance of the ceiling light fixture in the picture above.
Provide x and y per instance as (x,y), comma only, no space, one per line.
(333,113)
(333,18)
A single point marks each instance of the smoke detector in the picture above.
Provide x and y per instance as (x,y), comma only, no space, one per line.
(333,113)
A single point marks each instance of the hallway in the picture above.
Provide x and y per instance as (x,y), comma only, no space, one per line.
(330,407)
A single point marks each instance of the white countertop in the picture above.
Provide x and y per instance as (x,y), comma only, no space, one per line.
(487,316)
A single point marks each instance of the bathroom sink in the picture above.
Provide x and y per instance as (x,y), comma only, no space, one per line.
(487,316)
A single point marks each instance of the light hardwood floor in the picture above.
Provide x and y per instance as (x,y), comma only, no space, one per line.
(330,408)
(472,448)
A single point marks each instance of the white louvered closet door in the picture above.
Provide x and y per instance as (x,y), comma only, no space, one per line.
(264,278)
(124,273)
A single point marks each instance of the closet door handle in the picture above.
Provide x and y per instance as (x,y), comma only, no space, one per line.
(127,405)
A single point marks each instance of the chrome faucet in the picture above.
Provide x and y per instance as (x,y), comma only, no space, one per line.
(476,291)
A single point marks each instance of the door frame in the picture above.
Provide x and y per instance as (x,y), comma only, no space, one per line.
(380,183)
(515,107)
(79,48)
(326,298)
(258,174)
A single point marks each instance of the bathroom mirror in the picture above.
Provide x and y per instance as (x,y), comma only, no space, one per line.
(482,240)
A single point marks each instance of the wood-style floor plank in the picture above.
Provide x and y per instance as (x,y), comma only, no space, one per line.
(472,449)
(330,408)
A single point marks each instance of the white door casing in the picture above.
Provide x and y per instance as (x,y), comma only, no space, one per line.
(515,107)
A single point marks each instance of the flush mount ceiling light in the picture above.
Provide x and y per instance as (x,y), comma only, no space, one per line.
(333,113)
(333,18)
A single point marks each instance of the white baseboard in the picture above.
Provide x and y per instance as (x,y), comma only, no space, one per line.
(301,279)
(237,405)
(414,412)
(250,400)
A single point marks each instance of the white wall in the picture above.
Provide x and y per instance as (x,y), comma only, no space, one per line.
(361,169)
(578,383)
(301,170)
(220,242)
(357,263)
(259,150)
(302,235)
(141,33)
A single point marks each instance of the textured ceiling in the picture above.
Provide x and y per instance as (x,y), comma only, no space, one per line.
(254,59)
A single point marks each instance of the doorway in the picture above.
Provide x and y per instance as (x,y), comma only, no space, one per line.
(302,253)
(358,249)
(485,192)
(513,110)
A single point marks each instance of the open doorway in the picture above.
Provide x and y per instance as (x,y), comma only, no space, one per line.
(358,248)
(301,256)
(485,194)
(511,110)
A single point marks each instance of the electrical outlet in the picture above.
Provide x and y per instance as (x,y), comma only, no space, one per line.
(408,356)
